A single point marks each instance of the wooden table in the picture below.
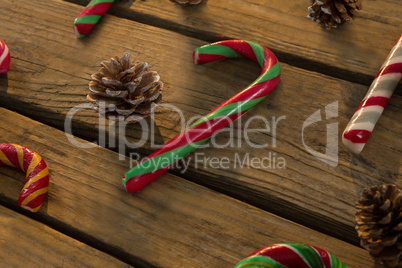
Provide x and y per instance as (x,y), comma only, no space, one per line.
(204,216)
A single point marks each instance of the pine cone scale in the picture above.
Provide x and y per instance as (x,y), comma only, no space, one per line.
(387,219)
(399,226)
(111,83)
(108,69)
(340,7)
(116,93)
(149,80)
(152,95)
(136,102)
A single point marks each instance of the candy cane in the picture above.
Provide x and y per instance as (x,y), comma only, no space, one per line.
(37,174)
(159,162)
(291,255)
(370,109)
(91,14)
(4,58)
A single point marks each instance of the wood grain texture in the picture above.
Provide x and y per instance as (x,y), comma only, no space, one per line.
(50,72)
(175,223)
(28,243)
(353,52)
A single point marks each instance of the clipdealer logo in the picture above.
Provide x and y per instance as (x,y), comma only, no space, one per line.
(237,131)
(330,156)
(239,135)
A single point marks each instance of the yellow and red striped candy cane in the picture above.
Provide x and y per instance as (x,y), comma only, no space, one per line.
(159,162)
(37,174)
(370,109)
(90,15)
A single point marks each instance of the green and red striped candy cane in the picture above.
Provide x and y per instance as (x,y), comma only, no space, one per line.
(88,17)
(291,255)
(161,160)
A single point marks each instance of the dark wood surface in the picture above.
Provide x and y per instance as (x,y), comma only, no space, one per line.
(204,215)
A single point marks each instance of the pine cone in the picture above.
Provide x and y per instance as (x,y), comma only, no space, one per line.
(186,2)
(330,13)
(379,223)
(125,91)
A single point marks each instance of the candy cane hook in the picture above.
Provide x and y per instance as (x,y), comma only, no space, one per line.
(370,109)
(161,160)
(37,174)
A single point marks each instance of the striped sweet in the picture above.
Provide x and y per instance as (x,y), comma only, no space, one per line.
(4,58)
(91,14)
(159,162)
(370,109)
(37,174)
(290,255)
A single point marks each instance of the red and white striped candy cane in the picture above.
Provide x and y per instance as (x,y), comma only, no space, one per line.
(370,109)
(159,162)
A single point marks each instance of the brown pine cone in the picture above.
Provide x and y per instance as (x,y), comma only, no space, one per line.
(124,91)
(331,13)
(379,223)
(186,2)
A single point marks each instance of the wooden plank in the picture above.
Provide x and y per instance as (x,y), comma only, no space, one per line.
(175,223)
(353,52)
(55,67)
(27,243)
